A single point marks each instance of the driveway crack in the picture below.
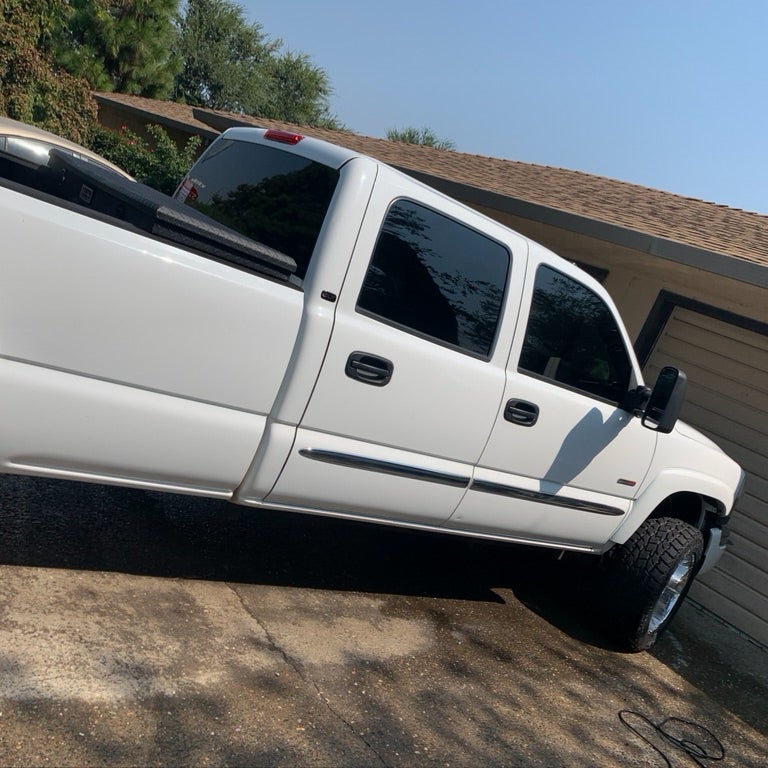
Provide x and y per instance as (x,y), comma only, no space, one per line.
(297,667)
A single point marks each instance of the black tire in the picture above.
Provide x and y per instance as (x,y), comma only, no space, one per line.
(649,577)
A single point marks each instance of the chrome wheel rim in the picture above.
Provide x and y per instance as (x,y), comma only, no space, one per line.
(672,593)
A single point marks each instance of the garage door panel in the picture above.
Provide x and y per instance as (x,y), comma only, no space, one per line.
(728,330)
(744,619)
(727,399)
(738,391)
(740,414)
(728,587)
(719,344)
(721,427)
(746,528)
(754,508)
(745,551)
(718,339)
(729,369)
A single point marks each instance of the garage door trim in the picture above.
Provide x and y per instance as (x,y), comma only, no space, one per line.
(662,309)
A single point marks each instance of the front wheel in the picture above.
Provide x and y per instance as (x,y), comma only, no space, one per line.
(649,576)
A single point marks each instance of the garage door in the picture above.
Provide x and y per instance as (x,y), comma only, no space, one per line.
(727,368)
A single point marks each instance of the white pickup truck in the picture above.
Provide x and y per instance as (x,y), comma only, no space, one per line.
(307,329)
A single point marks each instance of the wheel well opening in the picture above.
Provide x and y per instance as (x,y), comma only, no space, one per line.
(688,507)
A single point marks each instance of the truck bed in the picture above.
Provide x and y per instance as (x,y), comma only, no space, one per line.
(94,191)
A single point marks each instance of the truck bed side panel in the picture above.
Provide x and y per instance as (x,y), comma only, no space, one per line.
(96,302)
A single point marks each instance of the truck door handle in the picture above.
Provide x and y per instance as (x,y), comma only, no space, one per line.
(370,369)
(521,412)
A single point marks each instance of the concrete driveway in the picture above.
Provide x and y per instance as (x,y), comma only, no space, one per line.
(142,629)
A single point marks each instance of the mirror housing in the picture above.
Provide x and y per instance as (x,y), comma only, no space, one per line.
(666,400)
(636,399)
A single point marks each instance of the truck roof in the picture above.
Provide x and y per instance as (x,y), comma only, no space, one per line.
(321,151)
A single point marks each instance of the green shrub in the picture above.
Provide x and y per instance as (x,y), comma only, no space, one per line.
(160,164)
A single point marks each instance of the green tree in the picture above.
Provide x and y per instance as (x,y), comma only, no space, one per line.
(297,91)
(424,136)
(33,88)
(121,45)
(231,64)
(222,57)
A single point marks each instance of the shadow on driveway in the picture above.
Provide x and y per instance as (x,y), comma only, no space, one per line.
(61,524)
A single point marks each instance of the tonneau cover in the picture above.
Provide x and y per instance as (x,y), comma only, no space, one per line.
(98,189)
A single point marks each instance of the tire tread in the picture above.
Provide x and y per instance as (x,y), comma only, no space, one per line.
(640,569)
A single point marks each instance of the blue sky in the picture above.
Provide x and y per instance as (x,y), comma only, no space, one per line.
(669,94)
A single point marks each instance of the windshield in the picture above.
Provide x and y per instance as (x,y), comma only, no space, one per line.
(274,197)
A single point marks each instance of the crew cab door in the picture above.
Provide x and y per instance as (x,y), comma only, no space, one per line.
(564,460)
(414,373)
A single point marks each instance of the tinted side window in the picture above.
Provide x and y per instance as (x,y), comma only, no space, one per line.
(572,338)
(437,278)
(274,197)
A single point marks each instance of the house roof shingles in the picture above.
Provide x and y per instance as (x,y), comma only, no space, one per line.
(715,228)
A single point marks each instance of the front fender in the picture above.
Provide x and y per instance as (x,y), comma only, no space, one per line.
(667,483)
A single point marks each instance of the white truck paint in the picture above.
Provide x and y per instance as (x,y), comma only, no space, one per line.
(135,357)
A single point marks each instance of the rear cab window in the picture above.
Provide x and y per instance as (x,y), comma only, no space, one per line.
(276,198)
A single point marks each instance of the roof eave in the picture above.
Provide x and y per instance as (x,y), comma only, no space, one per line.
(663,248)
(200,128)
